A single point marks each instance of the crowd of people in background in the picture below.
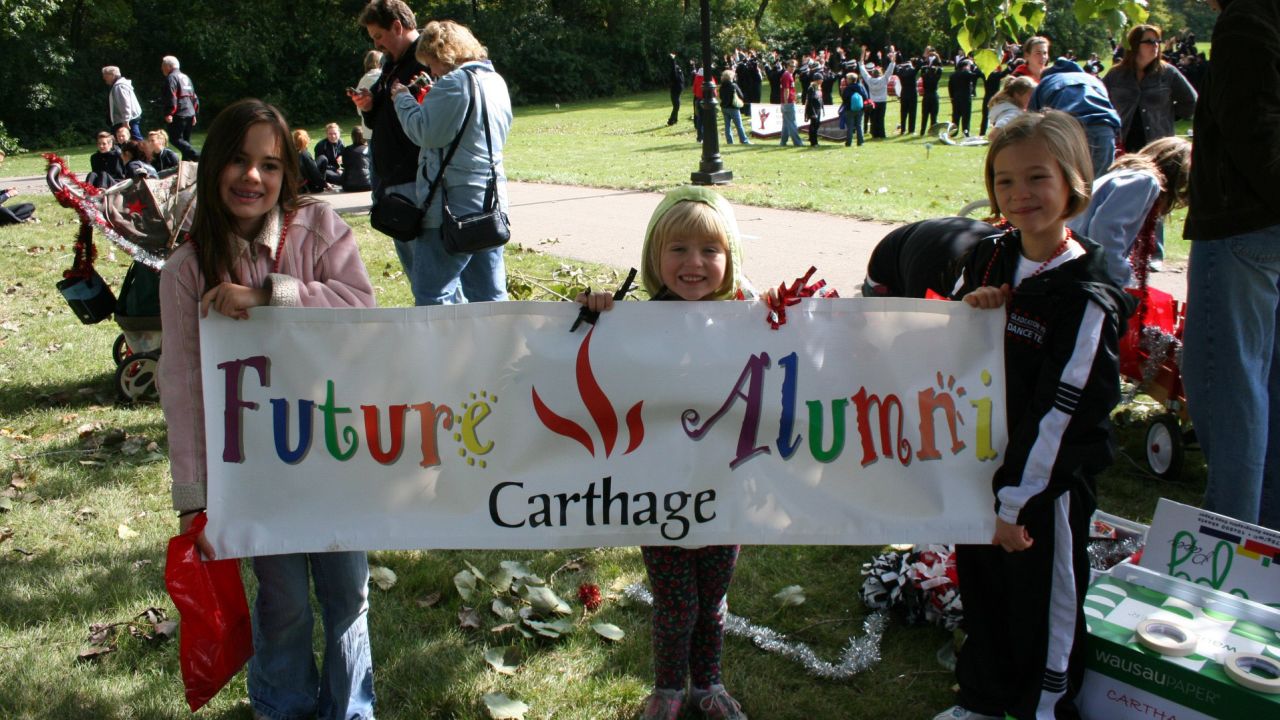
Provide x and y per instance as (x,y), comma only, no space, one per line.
(822,77)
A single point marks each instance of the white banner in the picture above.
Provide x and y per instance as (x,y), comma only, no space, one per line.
(766,120)
(489,425)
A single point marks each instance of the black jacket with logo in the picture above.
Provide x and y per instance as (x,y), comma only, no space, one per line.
(1062,375)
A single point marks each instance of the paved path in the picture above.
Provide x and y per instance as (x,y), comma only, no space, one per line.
(607,226)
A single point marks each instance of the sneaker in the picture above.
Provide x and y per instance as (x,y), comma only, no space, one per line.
(716,704)
(1156,265)
(662,705)
(956,712)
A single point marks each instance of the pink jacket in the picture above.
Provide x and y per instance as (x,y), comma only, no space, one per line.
(320,267)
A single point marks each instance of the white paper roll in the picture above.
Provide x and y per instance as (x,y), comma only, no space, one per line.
(1241,668)
(1167,637)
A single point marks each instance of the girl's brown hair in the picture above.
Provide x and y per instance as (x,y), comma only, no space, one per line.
(212,227)
(1169,159)
(1010,87)
(1064,138)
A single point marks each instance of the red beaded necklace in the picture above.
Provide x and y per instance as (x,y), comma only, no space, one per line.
(1062,248)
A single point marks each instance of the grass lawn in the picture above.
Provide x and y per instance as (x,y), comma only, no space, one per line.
(84,513)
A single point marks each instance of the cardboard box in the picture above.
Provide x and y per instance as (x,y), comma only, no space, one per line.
(1125,680)
(1215,550)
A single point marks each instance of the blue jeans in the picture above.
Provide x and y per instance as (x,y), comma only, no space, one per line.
(1102,147)
(1231,370)
(790,131)
(283,682)
(439,278)
(732,118)
(852,123)
(135,128)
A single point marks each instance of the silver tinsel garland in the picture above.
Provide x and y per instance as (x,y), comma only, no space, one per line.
(1159,346)
(860,654)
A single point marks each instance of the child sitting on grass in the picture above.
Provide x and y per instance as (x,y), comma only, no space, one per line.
(1025,647)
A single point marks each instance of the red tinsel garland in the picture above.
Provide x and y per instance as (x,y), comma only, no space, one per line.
(792,294)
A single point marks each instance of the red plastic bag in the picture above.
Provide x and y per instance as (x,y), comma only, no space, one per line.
(216,638)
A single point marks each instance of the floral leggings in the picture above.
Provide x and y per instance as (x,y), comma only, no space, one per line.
(689,605)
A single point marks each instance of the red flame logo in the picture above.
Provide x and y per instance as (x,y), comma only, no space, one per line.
(598,406)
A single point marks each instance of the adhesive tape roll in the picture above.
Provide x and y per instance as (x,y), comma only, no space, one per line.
(1254,671)
(1167,637)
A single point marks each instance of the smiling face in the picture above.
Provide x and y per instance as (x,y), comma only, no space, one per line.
(332,134)
(693,269)
(1037,58)
(123,135)
(249,185)
(104,144)
(1031,189)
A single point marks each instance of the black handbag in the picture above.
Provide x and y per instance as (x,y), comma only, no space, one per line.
(484,230)
(89,297)
(396,215)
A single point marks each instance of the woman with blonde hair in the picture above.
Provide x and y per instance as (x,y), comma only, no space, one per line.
(731,104)
(464,75)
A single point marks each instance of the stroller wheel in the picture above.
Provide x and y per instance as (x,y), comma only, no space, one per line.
(120,350)
(136,377)
(1164,447)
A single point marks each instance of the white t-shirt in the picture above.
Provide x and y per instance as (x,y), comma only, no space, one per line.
(1027,268)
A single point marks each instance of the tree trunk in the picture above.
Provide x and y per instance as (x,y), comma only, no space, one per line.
(764,4)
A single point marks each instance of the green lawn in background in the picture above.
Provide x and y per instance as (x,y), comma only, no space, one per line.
(80,475)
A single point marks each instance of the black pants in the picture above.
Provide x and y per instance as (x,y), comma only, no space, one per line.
(907,113)
(813,132)
(961,112)
(929,118)
(16,213)
(1023,615)
(180,136)
(877,120)
(675,105)
(332,174)
(986,114)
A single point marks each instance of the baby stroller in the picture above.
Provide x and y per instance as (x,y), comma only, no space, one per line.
(147,219)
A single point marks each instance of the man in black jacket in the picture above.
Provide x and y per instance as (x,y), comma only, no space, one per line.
(961,87)
(1231,355)
(991,86)
(394,31)
(675,82)
(930,75)
(908,98)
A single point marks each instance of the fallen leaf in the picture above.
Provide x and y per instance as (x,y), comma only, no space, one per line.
(466,584)
(133,445)
(5,504)
(85,514)
(553,629)
(166,630)
(383,577)
(503,610)
(88,429)
(504,660)
(10,326)
(544,600)
(139,564)
(502,707)
(468,619)
(429,600)
(789,596)
(100,633)
(5,533)
(609,631)
(92,654)
(124,532)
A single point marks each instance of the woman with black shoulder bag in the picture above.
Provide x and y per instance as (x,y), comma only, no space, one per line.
(461,127)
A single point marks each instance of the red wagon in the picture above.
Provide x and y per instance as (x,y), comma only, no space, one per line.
(1150,353)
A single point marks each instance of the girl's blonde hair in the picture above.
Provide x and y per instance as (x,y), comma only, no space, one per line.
(1169,159)
(1064,137)
(333,126)
(1011,87)
(301,139)
(450,43)
(686,220)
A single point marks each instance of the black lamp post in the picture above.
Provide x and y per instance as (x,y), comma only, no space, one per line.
(711,170)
